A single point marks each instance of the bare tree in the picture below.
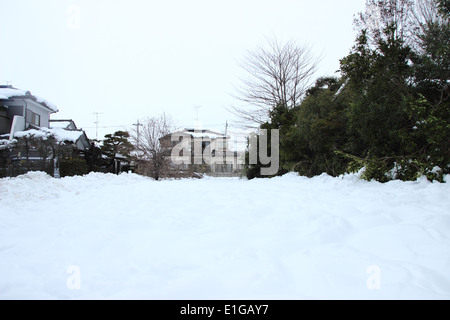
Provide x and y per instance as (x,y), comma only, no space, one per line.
(152,158)
(424,16)
(382,13)
(278,74)
(409,18)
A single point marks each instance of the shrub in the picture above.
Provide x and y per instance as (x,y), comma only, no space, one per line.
(73,167)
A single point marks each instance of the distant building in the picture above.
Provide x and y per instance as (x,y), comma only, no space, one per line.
(203,151)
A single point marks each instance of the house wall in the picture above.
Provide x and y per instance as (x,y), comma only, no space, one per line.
(13,108)
(83,143)
(18,123)
(17,107)
(5,122)
(38,109)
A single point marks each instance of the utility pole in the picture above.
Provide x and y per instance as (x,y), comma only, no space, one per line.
(96,122)
(138,124)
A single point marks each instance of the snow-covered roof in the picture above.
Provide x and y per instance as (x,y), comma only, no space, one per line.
(59,134)
(62,124)
(8,92)
(203,134)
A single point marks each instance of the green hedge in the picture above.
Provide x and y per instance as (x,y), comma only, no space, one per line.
(74,167)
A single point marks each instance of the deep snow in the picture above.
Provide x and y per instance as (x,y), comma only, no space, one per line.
(103,236)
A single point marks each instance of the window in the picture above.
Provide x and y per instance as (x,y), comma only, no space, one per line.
(221,143)
(35,119)
(3,112)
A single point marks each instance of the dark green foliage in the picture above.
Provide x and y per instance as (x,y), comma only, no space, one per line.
(389,114)
(321,129)
(94,159)
(399,122)
(116,145)
(379,79)
(252,171)
(33,154)
(444,7)
(73,167)
(282,118)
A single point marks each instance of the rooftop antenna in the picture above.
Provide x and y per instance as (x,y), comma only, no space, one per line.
(96,122)
(197,119)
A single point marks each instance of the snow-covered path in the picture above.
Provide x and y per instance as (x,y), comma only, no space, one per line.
(128,237)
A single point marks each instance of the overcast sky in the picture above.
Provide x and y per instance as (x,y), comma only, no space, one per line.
(131,59)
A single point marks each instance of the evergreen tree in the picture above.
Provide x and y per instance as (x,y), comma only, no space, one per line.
(389,113)
(432,78)
(115,145)
(399,121)
(281,118)
(321,128)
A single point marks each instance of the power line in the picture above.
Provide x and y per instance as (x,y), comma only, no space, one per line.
(128,125)
(103,127)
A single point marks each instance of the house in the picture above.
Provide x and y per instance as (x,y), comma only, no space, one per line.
(203,151)
(63,124)
(30,140)
(72,134)
(19,109)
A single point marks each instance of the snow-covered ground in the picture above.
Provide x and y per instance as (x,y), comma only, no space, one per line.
(128,237)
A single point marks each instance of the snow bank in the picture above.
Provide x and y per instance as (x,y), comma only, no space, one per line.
(103,236)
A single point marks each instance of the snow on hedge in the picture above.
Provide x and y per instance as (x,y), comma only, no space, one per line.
(59,134)
(103,236)
(6,143)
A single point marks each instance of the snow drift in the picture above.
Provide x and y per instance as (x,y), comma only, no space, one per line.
(103,236)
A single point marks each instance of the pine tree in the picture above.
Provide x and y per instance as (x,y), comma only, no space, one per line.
(117,145)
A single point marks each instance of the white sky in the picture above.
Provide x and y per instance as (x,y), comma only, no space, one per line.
(131,59)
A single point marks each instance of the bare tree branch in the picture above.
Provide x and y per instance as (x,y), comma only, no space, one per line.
(410,18)
(423,16)
(277,74)
(381,13)
(151,155)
